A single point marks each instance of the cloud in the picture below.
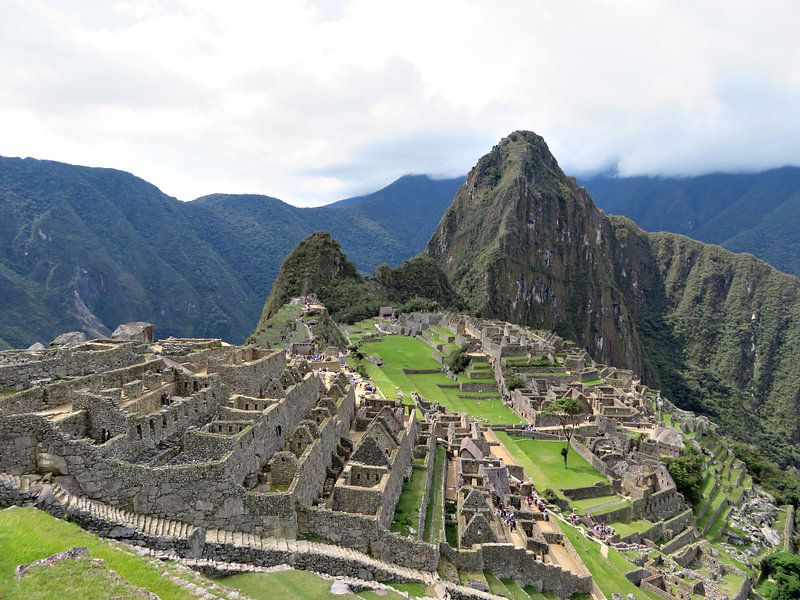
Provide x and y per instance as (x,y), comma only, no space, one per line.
(314,101)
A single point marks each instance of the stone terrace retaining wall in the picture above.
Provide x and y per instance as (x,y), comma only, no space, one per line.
(363,533)
(430,461)
(505,561)
(64,362)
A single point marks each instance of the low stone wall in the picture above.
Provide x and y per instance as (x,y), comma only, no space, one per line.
(430,461)
(364,534)
(506,561)
(593,491)
(788,529)
(421,371)
(680,540)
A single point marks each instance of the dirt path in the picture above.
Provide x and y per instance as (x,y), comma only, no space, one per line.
(499,450)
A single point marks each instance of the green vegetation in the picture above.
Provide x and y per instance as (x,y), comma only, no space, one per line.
(458,360)
(434,518)
(543,463)
(782,483)
(688,472)
(568,411)
(742,212)
(404,352)
(27,535)
(780,576)
(293,585)
(406,514)
(608,573)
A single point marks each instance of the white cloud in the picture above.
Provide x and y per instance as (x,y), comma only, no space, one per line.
(315,101)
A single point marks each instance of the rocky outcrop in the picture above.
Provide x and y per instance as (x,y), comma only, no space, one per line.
(72,338)
(136,331)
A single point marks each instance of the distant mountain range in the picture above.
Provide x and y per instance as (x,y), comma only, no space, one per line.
(757,213)
(86,249)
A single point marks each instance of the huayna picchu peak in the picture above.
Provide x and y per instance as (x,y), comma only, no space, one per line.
(717,331)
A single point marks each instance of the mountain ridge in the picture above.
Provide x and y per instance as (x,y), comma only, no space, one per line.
(117,249)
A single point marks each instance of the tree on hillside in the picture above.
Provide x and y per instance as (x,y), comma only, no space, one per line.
(782,572)
(569,412)
(687,471)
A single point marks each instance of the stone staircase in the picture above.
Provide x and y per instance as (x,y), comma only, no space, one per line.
(155,532)
(157,527)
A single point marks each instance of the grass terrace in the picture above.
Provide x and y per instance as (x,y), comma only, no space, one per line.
(406,514)
(294,585)
(542,462)
(27,534)
(403,352)
(608,573)
(434,518)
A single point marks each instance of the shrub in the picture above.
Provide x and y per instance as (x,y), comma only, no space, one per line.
(458,360)
(687,471)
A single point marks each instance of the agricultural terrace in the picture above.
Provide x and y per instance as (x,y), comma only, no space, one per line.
(27,534)
(403,352)
(608,572)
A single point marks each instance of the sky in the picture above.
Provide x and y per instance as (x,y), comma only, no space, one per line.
(314,101)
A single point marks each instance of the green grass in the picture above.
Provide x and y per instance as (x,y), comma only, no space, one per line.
(542,462)
(608,573)
(587,504)
(403,352)
(434,518)
(516,592)
(4,393)
(497,586)
(636,526)
(76,579)
(293,585)
(415,590)
(406,514)
(27,534)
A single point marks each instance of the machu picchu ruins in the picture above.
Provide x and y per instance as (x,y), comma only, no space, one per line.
(297,451)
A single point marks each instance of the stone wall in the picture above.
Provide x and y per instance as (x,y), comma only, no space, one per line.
(206,493)
(430,461)
(363,533)
(65,362)
(63,392)
(506,561)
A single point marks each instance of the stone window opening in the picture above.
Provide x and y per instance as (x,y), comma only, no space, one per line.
(139,431)
(279,430)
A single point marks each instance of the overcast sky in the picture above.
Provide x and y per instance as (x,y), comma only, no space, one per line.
(316,101)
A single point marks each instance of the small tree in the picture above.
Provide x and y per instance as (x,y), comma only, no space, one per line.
(569,412)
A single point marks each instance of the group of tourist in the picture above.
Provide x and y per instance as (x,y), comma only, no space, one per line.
(595,529)
(534,500)
(311,357)
(506,516)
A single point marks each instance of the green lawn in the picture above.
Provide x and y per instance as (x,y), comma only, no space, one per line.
(637,526)
(403,352)
(293,585)
(608,573)
(542,462)
(27,534)
(612,502)
(406,514)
